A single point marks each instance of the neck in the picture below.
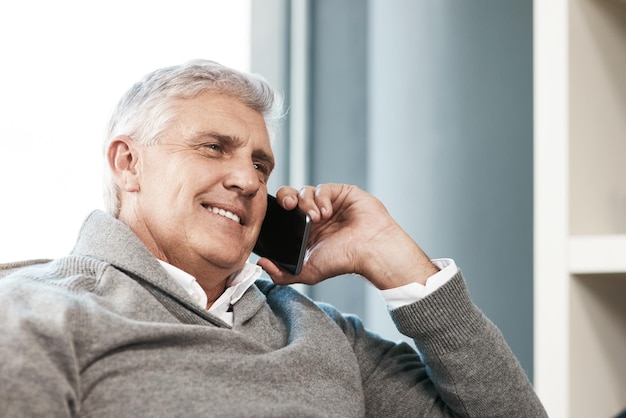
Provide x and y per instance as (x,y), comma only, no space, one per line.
(212,280)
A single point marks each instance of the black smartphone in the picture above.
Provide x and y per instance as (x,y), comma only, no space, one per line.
(283,236)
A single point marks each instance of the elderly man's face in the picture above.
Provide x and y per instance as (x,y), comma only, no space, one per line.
(202,193)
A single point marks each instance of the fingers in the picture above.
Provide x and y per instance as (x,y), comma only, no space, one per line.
(287,197)
(307,202)
(278,275)
(316,201)
(267,265)
(325,194)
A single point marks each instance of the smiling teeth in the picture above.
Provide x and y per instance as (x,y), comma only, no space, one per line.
(225,214)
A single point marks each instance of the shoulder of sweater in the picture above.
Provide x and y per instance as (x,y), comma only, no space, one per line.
(285,293)
(347,322)
(71,272)
(13,266)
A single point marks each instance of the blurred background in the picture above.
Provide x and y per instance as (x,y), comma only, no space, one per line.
(426,104)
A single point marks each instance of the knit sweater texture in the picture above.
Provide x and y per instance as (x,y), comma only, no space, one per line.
(105,332)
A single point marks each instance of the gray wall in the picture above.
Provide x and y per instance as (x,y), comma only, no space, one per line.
(450,143)
(428,105)
(339,137)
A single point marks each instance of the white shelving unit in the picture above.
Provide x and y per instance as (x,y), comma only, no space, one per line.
(580,206)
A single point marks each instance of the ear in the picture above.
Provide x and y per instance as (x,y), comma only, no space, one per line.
(122,157)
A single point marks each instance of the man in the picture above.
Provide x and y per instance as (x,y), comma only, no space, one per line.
(156,312)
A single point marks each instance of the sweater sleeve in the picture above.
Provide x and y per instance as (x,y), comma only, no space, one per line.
(38,370)
(464,367)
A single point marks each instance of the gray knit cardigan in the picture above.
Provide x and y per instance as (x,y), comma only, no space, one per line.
(104,332)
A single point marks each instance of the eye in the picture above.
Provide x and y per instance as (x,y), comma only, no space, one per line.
(214,147)
(262,168)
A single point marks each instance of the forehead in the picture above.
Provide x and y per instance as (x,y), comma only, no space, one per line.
(220,114)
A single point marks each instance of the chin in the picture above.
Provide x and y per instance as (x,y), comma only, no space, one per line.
(227,262)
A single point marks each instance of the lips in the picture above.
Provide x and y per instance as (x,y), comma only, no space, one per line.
(225,213)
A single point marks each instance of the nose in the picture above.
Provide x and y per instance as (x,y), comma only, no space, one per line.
(244,178)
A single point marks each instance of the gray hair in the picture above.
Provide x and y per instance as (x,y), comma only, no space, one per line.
(144,112)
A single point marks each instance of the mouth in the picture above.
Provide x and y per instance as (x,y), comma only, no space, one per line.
(223,212)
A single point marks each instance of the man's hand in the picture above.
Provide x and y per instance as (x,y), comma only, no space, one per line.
(351,232)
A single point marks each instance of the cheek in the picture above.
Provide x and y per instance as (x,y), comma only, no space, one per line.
(155,177)
(164,190)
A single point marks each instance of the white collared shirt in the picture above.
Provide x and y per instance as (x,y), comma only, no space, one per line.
(236,286)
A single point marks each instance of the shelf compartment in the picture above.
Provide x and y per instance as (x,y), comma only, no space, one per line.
(597,341)
(597,254)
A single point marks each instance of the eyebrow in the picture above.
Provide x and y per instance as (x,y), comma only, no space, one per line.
(234,142)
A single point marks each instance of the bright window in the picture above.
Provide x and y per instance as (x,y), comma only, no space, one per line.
(64,66)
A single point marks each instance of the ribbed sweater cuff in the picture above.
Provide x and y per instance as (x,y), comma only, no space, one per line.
(444,320)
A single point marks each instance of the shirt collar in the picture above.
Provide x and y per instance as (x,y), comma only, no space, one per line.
(236,285)
(242,280)
(187,282)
